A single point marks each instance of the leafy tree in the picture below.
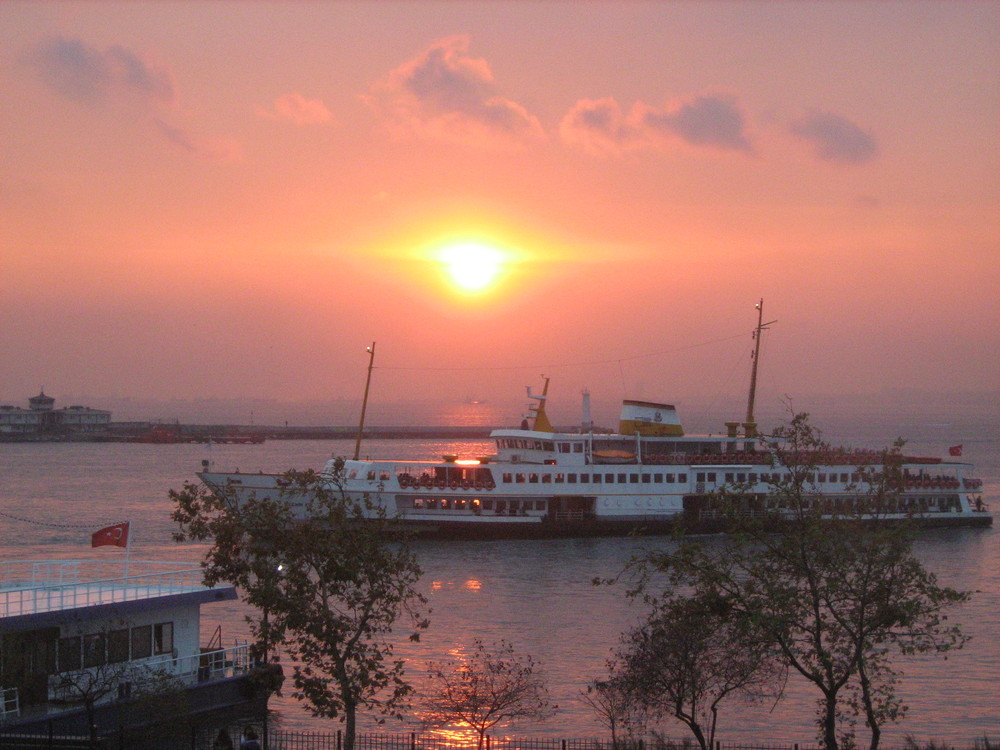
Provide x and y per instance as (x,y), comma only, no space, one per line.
(615,707)
(836,590)
(489,686)
(681,662)
(329,589)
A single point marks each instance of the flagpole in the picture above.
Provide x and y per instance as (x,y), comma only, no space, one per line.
(128,548)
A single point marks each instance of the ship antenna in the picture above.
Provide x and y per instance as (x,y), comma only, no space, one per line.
(364,401)
(750,425)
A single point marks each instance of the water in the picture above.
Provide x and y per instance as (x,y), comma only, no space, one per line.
(535,594)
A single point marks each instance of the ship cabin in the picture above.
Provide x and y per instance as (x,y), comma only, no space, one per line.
(81,634)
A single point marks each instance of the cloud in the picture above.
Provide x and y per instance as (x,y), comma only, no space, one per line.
(297,109)
(705,121)
(210,149)
(835,138)
(73,68)
(446,93)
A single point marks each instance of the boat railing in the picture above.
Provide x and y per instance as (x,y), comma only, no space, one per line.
(53,585)
(572,515)
(10,704)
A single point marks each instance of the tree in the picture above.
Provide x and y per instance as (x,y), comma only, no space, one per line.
(836,590)
(329,589)
(489,686)
(681,662)
(615,707)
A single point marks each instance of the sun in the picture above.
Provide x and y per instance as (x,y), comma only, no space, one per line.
(472,266)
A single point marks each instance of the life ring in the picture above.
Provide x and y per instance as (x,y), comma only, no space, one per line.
(490,485)
(453,485)
(466,486)
(479,485)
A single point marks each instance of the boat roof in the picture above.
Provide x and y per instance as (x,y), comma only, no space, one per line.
(46,593)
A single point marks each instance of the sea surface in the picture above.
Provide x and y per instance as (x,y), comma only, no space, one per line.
(537,595)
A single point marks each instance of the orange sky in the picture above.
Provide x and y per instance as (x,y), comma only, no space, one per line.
(217,199)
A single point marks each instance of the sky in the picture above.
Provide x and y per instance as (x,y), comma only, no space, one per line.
(221,200)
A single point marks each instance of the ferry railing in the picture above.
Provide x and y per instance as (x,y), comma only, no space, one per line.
(10,702)
(52,585)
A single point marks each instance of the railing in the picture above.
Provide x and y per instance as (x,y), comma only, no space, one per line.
(10,704)
(53,585)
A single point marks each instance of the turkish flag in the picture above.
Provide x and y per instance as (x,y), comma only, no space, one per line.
(955,450)
(116,535)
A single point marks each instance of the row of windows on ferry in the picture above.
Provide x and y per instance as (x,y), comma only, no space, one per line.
(511,506)
(752,477)
(111,647)
(594,478)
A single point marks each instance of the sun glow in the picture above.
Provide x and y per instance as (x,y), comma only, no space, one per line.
(471,265)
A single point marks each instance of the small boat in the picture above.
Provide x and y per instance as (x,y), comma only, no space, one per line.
(648,477)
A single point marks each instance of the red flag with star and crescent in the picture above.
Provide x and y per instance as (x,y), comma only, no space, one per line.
(955,450)
(116,535)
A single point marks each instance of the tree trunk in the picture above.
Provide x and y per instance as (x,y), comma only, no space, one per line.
(350,725)
(829,721)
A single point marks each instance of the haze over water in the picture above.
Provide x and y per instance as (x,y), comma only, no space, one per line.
(535,594)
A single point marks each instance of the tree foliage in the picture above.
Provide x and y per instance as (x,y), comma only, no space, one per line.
(328,589)
(835,590)
(490,686)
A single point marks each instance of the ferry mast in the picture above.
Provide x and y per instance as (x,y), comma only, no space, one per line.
(364,401)
(750,424)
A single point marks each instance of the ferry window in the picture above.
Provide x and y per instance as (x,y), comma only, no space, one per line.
(475,505)
(532,478)
(514,507)
(520,478)
(597,479)
(383,475)
(460,505)
(658,478)
(538,445)
(845,478)
(584,478)
(711,476)
(646,478)
(371,475)
(546,479)
(418,503)
(811,477)
(548,445)
(432,503)
(118,646)
(93,650)
(622,478)
(822,477)
(69,653)
(855,477)
(564,447)
(753,478)
(700,476)
(633,478)
(609,478)
(487,505)
(560,478)
(741,477)
(729,476)
(682,477)
(142,642)
(445,503)
(163,638)
(571,478)
(539,505)
(578,447)
(508,478)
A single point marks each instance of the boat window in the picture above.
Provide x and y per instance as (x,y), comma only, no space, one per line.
(546,479)
(560,478)
(730,477)
(646,478)
(682,477)
(711,476)
(383,475)
(432,503)
(460,504)
(811,477)
(118,646)
(142,642)
(418,503)
(487,504)
(539,505)
(93,650)
(371,475)
(578,447)
(69,653)
(475,504)
(584,478)
(597,479)
(532,478)
(633,478)
(855,477)
(508,478)
(670,478)
(571,478)
(622,478)
(700,476)
(741,477)
(538,445)
(501,506)
(609,478)
(845,478)
(822,477)
(445,503)
(520,478)
(564,447)
(548,445)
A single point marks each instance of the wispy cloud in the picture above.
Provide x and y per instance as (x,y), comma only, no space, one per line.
(835,138)
(116,77)
(297,109)
(713,121)
(75,69)
(447,93)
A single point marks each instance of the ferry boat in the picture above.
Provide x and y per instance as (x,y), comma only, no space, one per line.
(87,645)
(648,477)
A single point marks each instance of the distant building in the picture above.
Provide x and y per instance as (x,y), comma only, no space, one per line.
(42,416)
